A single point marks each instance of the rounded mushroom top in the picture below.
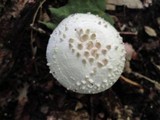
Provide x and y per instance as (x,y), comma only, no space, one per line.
(85,54)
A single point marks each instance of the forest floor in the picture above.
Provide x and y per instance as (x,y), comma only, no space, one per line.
(29,92)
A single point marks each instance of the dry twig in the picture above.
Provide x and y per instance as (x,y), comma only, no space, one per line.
(128,33)
(40,30)
(34,49)
(130,81)
(146,78)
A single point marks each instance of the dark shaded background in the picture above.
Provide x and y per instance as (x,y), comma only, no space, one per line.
(29,92)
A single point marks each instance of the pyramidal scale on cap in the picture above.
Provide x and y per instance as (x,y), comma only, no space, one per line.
(85,54)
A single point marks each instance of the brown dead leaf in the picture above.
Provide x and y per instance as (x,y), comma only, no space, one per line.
(79,105)
(18,7)
(44,17)
(110,7)
(22,98)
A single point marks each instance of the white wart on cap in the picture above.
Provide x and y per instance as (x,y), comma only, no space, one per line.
(85,54)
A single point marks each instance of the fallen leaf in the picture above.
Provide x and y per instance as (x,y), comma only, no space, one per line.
(150,31)
(110,7)
(96,7)
(22,98)
(133,4)
(78,106)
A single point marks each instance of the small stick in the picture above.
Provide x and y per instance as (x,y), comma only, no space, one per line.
(38,29)
(130,81)
(146,78)
(128,33)
(34,49)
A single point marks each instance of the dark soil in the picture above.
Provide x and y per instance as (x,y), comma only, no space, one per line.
(29,92)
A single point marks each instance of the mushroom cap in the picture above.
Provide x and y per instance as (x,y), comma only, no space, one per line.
(85,54)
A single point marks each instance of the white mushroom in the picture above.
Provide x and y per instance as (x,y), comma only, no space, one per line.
(86,54)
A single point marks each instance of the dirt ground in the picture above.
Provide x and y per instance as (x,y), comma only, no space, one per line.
(29,92)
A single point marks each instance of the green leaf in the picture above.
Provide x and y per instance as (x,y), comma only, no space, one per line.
(96,7)
(59,13)
(49,25)
(101,4)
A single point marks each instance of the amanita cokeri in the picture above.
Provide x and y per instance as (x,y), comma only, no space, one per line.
(85,54)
